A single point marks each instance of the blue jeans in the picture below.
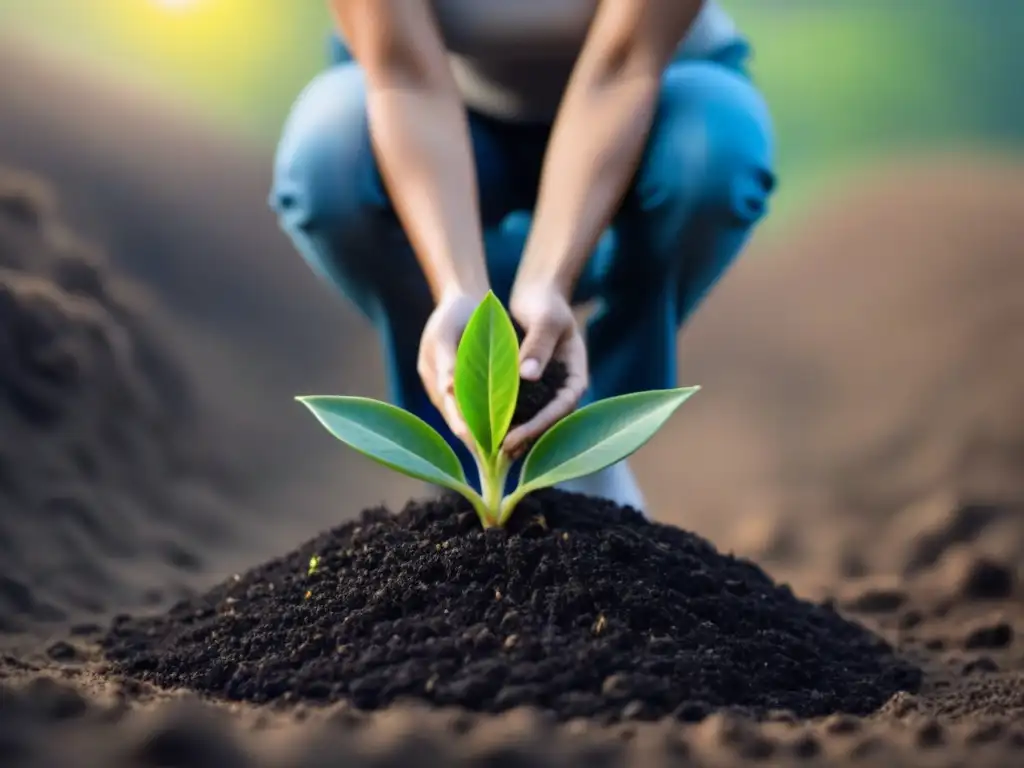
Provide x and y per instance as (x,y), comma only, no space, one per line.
(703,183)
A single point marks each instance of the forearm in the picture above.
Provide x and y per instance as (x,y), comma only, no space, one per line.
(422,143)
(600,132)
(591,157)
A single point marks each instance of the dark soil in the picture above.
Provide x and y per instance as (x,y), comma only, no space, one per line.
(581,608)
(534,395)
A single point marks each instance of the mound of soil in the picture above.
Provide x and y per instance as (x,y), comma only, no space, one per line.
(102,460)
(581,608)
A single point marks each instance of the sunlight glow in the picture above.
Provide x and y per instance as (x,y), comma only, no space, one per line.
(202,41)
(177,5)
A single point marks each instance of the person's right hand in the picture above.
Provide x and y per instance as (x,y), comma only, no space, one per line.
(436,364)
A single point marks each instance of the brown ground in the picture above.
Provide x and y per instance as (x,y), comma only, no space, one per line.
(861,434)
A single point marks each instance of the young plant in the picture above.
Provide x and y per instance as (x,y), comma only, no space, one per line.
(486,390)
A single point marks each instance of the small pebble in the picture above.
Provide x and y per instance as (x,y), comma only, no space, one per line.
(981,665)
(842,724)
(63,651)
(878,600)
(997,635)
(987,580)
(692,712)
(911,619)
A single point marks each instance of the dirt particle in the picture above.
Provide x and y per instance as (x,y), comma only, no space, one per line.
(911,619)
(692,711)
(989,635)
(842,725)
(878,600)
(961,526)
(980,666)
(64,652)
(461,723)
(781,716)
(85,629)
(615,687)
(987,580)
(636,710)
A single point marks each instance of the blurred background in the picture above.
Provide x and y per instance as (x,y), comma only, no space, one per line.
(862,362)
(849,80)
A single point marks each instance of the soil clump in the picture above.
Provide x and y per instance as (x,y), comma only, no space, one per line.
(581,609)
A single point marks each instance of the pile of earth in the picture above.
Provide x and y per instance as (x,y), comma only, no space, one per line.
(581,608)
(107,476)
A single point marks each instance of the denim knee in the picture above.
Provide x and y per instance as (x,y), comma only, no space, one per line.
(326,187)
(709,156)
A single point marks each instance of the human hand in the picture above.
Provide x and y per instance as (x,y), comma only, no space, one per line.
(551,333)
(436,363)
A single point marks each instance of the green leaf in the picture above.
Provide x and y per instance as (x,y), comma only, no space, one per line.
(598,436)
(390,436)
(487,375)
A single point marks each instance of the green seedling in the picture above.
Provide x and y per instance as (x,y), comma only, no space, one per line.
(486,390)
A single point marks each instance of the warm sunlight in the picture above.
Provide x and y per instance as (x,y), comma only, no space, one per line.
(177,5)
(200,39)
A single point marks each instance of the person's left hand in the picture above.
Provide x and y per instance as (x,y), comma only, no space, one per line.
(551,333)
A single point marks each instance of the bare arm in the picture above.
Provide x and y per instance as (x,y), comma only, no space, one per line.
(420,134)
(599,134)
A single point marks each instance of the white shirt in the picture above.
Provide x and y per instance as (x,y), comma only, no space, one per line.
(512,58)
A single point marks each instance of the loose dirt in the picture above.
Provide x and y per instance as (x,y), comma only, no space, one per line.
(585,611)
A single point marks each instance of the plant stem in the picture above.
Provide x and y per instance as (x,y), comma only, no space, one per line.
(492,482)
(480,507)
(509,503)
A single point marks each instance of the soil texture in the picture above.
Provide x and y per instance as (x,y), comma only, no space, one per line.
(534,395)
(586,611)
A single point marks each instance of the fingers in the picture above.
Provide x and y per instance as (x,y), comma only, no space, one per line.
(436,368)
(444,358)
(561,405)
(522,436)
(537,348)
(428,375)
